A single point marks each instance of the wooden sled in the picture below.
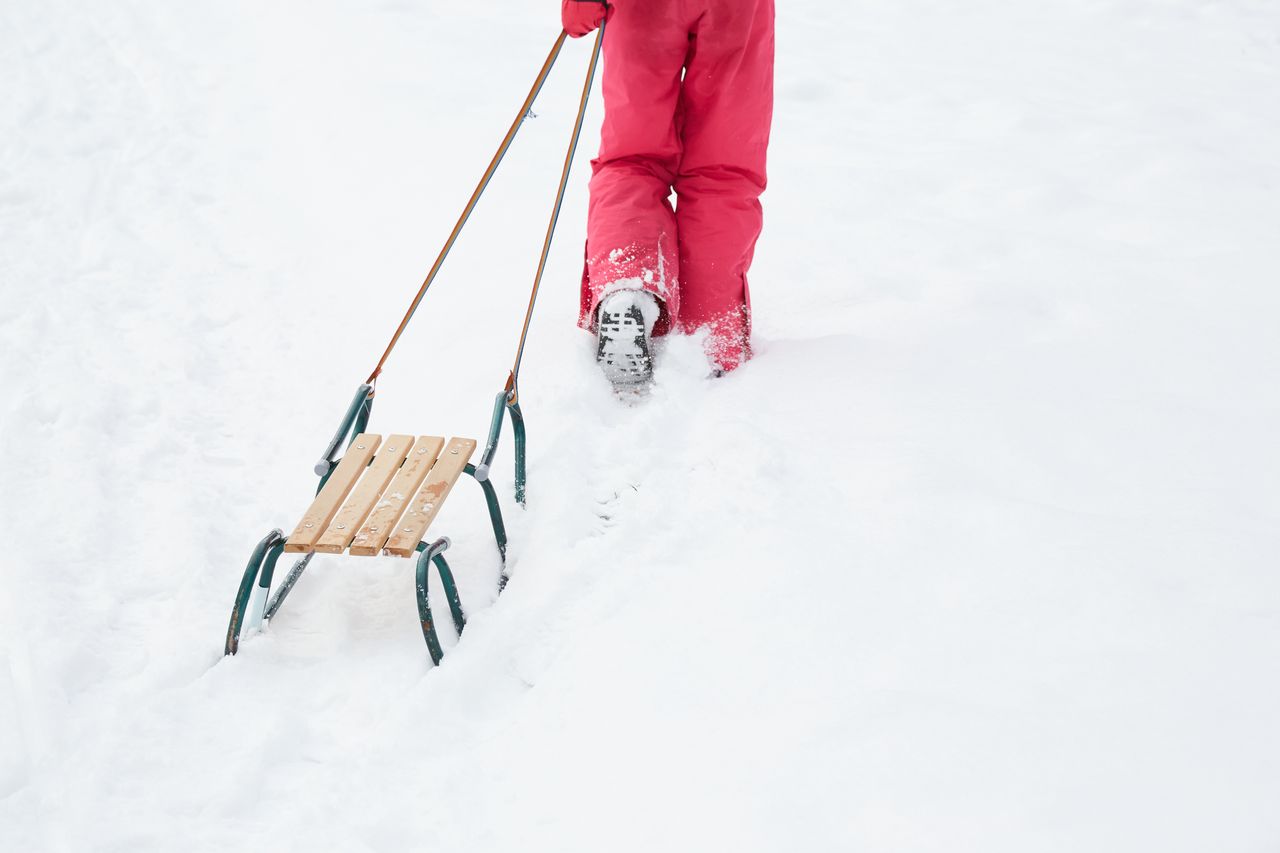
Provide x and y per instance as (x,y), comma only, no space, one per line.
(385,492)
(380,498)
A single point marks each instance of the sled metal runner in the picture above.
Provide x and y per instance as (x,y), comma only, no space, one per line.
(382,495)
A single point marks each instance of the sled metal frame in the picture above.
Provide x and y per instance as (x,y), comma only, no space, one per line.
(254,604)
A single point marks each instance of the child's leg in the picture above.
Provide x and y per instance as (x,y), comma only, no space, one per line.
(727,101)
(631,229)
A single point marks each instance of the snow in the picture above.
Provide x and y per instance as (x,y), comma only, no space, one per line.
(978,554)
(620,296)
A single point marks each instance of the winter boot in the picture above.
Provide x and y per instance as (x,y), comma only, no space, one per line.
(623,347)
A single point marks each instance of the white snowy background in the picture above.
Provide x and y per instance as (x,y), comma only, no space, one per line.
(980,554)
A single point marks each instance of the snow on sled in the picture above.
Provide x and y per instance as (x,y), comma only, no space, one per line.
(382,496)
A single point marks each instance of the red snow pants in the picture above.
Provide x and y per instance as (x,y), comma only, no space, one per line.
(688,101)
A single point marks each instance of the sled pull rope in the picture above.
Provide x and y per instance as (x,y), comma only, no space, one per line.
(514,378)
(471,204)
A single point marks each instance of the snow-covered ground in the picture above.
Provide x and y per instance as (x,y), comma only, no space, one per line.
(979,554)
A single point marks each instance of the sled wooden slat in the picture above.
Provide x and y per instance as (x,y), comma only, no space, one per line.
(353,513)
(427,502)
(316,520)
(382,521)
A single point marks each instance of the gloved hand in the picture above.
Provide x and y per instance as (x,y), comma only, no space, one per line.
(583,16)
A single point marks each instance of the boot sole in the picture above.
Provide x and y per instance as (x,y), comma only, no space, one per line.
(623,350)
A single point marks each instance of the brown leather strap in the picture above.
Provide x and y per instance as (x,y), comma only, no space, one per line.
(471,203)
(514,377)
